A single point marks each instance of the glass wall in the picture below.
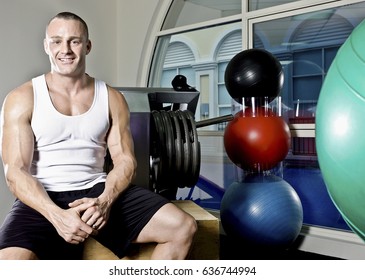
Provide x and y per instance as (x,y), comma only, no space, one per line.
(254,5)
(304,38)
(202,56)
(201,52)
(306,43)
(187,12)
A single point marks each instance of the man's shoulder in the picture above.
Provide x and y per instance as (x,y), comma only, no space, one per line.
(23,91)
(115,96)
(22,96)
(112,89)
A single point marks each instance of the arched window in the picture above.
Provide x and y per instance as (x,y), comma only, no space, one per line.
(178,60)
(313,46)
(228,47)
(323,30)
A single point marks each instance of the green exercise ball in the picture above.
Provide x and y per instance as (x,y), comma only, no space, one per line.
(340,130)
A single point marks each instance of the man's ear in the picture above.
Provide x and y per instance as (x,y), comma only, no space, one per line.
(45,46)
(88,47)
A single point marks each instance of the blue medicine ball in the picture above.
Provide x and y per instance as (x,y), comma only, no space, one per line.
(263,210)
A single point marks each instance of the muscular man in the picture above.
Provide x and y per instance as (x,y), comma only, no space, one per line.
(55,132)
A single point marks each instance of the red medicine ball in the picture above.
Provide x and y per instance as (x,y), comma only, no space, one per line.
(257,139)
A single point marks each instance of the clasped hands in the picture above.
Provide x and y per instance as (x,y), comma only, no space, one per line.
(85,217)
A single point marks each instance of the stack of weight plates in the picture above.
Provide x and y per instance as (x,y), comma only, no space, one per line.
(175,151)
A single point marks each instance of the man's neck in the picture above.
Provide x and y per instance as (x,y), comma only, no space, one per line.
(67,84)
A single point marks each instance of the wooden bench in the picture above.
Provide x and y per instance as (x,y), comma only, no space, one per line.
(205,245)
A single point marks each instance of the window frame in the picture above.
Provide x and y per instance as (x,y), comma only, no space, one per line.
(247,18)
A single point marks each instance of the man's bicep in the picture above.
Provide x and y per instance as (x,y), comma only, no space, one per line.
(17,140)
(120,142)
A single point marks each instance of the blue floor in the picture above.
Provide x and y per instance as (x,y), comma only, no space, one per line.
(318,208)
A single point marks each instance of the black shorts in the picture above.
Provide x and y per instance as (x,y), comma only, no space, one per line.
(26,228)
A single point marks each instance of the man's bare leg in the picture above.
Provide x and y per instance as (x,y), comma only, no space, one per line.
(17,253)
(173,229)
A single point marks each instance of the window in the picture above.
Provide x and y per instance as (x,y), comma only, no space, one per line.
(187,12)
(254,5)
(306,43)
(198,39)
(200,55)
(179,60)
(228,47)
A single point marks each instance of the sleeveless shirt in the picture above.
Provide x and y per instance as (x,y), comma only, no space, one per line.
(69,151)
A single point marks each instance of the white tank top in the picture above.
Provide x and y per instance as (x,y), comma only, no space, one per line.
(69,151)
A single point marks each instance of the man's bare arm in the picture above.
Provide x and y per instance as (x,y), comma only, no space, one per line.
(17,146)
(120,145)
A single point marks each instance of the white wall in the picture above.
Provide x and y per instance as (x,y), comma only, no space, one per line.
(135,22)
(117,30)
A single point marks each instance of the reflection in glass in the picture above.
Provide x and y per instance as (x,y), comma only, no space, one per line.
(202,56)
(254,5)
(306,45)
(188,12)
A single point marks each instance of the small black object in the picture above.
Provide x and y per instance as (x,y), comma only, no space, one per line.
(179,83)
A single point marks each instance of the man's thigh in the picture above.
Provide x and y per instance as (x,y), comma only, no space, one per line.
(129,215)
(17,253)
(26,228)
(163,225)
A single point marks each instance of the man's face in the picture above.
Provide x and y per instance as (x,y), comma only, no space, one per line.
(67,45)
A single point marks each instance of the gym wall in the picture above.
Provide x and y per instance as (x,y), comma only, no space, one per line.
(117,29)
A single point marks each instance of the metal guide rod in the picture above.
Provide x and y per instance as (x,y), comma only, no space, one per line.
(212,121)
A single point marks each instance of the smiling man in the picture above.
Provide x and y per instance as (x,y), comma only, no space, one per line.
(55,132)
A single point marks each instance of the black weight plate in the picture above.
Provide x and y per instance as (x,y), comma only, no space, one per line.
(170,148)
(154,152)
(189,174)
(156,147)
(179,151)
(186,145)
(196,157)
(168,187)
(161,148)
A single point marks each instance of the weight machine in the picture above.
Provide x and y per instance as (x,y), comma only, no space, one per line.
(165,137)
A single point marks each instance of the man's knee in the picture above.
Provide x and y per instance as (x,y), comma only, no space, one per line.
(17,253)
(188,226)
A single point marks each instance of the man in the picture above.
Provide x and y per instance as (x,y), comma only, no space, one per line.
(55,131)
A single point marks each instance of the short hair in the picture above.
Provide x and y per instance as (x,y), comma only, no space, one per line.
(71,16)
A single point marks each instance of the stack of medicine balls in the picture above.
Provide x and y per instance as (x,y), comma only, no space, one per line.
(262,209)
